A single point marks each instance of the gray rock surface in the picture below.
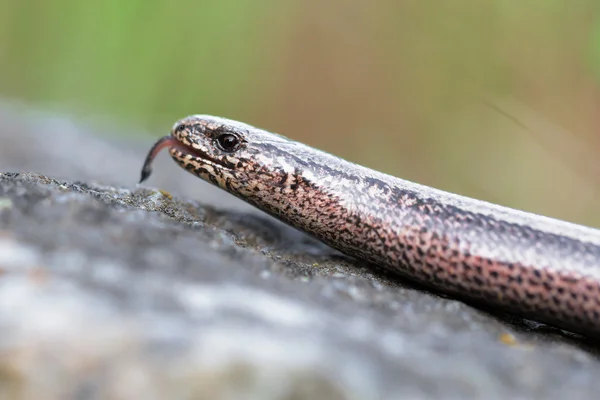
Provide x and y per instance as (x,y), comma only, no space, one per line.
(110,290)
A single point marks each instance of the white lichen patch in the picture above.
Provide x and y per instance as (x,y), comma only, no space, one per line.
(16,256)
(5,203)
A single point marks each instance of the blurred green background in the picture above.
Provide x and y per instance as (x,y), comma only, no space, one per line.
(493,99)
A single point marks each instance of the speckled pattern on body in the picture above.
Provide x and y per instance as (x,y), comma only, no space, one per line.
(536,267)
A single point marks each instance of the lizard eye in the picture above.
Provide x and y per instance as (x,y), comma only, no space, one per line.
(228,142)
(180,128)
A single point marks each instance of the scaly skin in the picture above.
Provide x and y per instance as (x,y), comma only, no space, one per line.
(536,267)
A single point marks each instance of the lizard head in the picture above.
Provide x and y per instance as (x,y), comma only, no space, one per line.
(231,155)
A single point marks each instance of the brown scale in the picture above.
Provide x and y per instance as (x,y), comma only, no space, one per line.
(538,268)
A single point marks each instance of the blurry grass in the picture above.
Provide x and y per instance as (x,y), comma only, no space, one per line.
(148,61)
(595,50)
(152,61)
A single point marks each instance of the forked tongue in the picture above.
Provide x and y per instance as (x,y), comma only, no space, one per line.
(167,141)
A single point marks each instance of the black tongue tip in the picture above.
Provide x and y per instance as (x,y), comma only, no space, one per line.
(162,143)
(145,174)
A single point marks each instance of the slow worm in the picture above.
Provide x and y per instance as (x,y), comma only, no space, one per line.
(536,267)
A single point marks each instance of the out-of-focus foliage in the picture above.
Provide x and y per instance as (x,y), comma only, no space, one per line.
(595,50)
(148,61)
(404,86)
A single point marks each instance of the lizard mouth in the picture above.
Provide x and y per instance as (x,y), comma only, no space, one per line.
(177,150)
